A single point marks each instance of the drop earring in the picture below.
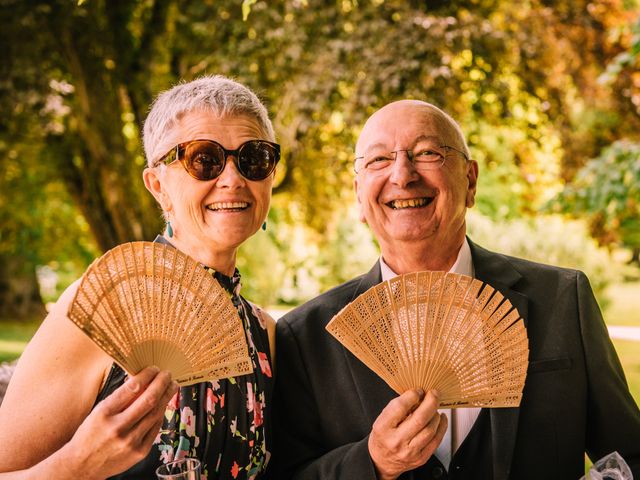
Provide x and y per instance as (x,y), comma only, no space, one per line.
(264,226)
(169,229)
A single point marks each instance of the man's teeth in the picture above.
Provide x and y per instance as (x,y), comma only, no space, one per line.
(227,206)
(411,203)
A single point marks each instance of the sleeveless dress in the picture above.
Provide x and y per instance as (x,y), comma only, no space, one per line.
(226,424)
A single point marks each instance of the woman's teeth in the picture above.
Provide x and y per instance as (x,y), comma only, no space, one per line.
(227,206)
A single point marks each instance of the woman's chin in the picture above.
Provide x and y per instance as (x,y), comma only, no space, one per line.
(229,236)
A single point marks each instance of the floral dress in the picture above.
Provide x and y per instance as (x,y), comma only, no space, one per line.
(225,423)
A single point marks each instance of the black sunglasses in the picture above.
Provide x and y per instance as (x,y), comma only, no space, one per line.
(206,159)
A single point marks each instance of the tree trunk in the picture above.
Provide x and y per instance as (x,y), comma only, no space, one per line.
(19,292)
(94,158)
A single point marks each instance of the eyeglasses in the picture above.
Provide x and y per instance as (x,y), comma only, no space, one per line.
(205,159)
(422,159)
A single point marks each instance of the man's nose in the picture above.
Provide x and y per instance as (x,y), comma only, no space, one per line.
(403,170)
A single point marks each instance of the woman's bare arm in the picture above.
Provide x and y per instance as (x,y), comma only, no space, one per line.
(54,387)
(116,434)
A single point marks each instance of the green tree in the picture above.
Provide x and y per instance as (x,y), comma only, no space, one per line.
(78,76)
(607,192)
(75,85)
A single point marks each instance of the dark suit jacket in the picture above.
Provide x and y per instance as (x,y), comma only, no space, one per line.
(575,399)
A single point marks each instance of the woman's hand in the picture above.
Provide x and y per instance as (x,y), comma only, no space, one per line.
(120,430)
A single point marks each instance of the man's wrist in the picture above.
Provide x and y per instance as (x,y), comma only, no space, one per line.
(382,476)
(380,473)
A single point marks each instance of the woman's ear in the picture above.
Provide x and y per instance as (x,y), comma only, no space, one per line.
(153,182)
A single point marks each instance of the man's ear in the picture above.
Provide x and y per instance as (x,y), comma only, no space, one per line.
(472,179)
(361,210)
(153,182)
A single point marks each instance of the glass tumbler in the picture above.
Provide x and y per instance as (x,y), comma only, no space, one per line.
(184,469)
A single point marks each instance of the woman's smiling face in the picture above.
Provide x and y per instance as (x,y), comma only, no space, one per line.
(219,214)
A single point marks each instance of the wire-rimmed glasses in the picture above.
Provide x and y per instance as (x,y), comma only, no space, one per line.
(422,158)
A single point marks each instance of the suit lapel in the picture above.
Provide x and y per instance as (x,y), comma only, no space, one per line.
(373,392)
(496,270)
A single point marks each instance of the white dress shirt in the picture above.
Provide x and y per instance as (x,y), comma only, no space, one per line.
(460,419)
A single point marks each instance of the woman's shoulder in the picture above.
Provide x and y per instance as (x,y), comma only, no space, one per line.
(264,318)
(61,307)
(267,323)
(60,350)
(59,334)
(58,326)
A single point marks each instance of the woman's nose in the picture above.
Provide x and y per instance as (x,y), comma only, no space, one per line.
(230,176)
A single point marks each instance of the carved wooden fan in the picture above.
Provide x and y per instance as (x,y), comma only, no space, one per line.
(436,330)
(149,304)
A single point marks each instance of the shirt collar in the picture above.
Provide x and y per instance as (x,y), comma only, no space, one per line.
(462,265)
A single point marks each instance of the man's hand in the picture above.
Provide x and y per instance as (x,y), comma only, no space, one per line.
(121,429)
(406,433)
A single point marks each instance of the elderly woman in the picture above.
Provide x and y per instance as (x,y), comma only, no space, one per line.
(70,412)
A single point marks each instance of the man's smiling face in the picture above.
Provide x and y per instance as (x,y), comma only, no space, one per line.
(401,203)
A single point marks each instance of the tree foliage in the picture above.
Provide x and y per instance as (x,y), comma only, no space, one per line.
(607,192)
(78,76)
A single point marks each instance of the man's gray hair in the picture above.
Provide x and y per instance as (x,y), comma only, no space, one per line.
(215,93)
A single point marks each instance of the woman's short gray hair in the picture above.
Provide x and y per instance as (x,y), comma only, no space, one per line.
(216,93)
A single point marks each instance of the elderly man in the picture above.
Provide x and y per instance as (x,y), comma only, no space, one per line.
(338,420)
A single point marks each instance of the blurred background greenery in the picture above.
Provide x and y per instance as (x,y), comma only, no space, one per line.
(548,94)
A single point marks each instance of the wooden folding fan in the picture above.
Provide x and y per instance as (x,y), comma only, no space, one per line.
(436,330)
(148,304)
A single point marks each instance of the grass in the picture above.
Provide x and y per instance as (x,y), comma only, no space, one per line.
(624,307)
(14,336)
(629,353)
(624,310)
